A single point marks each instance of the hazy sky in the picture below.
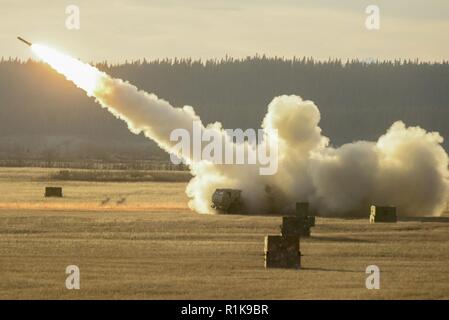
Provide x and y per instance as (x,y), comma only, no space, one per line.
(129,29)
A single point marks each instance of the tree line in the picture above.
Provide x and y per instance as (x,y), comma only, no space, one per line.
(43,115)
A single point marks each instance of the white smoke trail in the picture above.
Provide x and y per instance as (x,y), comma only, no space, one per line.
(407,167)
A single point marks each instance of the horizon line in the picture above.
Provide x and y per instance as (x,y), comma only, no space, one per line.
(227,58)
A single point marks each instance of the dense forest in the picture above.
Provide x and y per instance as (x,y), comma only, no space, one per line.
(43,116)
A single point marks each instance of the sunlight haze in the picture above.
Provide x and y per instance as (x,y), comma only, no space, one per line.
(124,30)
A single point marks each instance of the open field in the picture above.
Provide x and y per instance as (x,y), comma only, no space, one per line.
(23,188)
(152,246)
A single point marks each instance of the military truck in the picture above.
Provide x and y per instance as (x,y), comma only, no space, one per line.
(227,200)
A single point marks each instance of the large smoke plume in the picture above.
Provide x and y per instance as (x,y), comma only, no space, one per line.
(407,167)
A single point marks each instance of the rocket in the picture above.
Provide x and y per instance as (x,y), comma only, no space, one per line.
(24,41)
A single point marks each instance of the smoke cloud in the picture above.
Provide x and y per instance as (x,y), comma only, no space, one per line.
(406,167)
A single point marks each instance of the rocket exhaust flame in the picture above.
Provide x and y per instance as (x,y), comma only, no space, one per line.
(83,75)
(407,167)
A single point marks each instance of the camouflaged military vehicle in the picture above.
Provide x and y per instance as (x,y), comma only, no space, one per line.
(227,200)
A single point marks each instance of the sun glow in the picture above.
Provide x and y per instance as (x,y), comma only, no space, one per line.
(82,74)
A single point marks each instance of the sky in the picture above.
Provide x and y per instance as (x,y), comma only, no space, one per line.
(119,30)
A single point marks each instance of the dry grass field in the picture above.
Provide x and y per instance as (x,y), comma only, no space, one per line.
(151,246)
